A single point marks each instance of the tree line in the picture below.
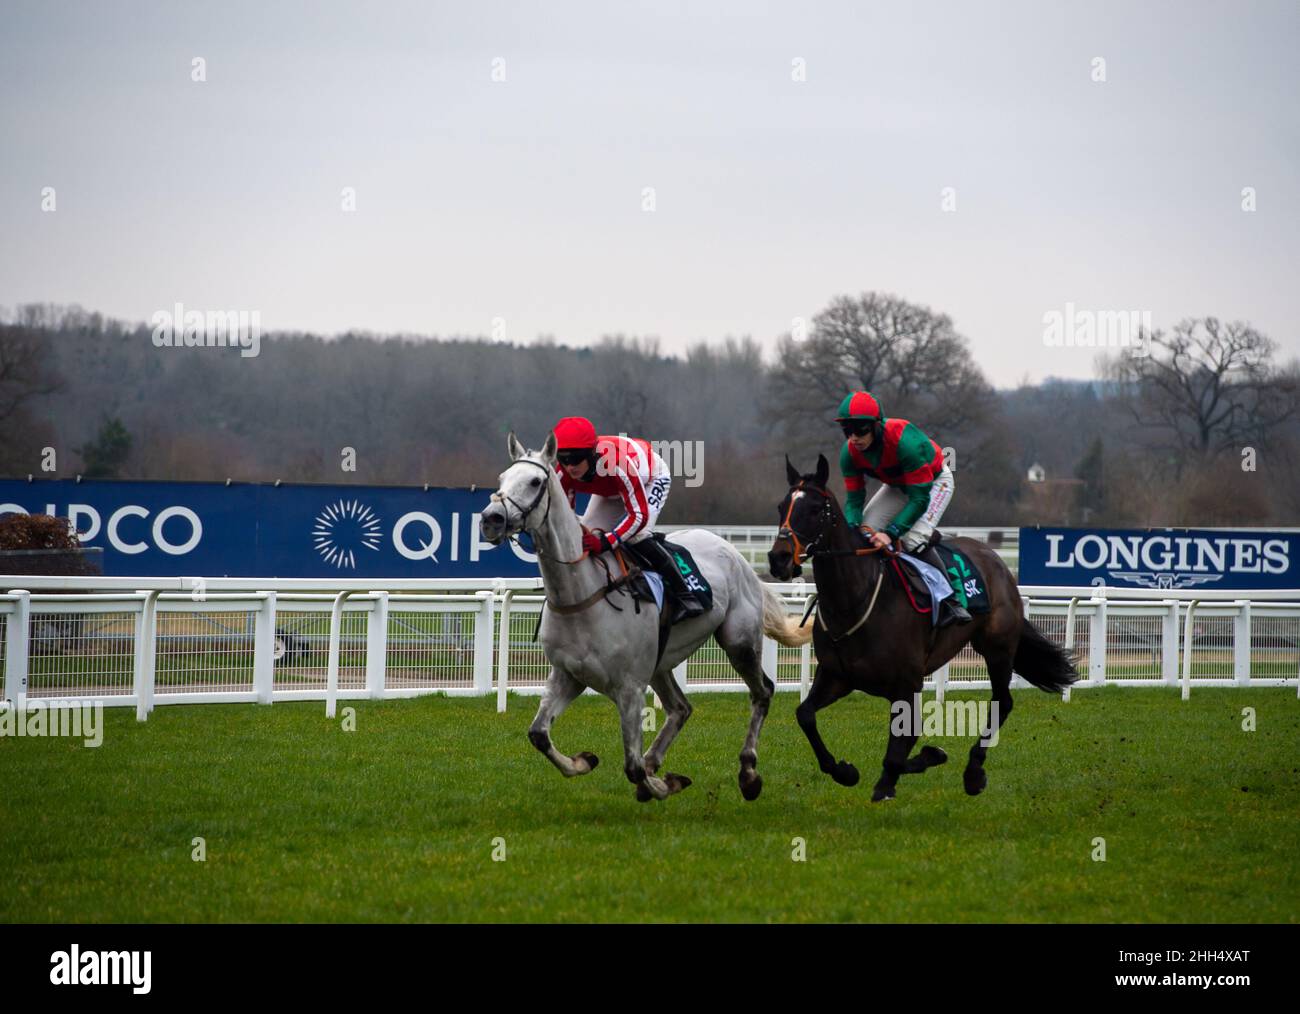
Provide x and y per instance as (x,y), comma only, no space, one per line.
(1200,429)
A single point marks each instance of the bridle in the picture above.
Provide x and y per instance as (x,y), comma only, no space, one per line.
(807,550)
(545,490)
(611,583)
(803,549)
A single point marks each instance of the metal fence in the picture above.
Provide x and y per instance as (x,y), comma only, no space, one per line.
(288,642)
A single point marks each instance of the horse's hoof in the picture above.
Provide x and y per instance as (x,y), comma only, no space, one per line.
(845,773)
(975,780)
(591,759)
(643,795)
(882,793)
(676,783)
(751,784)
(933,756)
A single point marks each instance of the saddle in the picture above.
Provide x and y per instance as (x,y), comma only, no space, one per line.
(672,562)
(967,582)
(680,573)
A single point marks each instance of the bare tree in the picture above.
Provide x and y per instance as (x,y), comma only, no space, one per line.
(623,372)
(1205,389)
(911,357)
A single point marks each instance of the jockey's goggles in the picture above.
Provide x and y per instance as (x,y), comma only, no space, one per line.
(573,457)
(856,427)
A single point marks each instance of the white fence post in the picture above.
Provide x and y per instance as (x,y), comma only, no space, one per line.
(146,654)
(17,632)
(377,646)
(679,674)
(264,648)
(1070,611)
(805,652)
(483,643)
(769,658)
(332,669)
(1097,644)
(1169,643)
(1187,650)
(1241,643)
(503,652)
(805,670)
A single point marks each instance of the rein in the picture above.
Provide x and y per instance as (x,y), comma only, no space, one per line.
(865,616)
(592,599)
(611,585)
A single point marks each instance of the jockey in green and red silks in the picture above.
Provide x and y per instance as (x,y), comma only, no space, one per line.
(916,484)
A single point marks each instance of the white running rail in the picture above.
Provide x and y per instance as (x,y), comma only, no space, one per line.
(138,642)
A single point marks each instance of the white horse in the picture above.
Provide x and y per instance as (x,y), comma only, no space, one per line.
(594,637)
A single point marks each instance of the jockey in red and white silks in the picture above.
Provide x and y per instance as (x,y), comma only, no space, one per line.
(629,483)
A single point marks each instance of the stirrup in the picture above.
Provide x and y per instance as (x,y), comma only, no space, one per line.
(686,606)
(950,613)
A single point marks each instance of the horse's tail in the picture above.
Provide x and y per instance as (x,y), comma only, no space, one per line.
(1042,662)
(780,625)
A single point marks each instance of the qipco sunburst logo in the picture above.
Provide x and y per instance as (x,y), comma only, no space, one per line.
(342,530)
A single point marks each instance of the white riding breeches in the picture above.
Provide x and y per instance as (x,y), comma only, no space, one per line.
(889,500)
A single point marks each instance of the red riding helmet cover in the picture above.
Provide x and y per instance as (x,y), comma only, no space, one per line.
(574,433)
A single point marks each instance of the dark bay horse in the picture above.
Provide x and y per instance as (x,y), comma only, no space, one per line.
(868,637)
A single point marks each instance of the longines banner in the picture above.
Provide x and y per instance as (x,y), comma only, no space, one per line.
(1160,558)
(173,529)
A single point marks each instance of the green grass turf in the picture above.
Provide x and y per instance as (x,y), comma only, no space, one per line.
(396,821)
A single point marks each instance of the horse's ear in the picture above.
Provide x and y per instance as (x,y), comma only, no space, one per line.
(514,447)
(791,473)
(823,470)
(548,452)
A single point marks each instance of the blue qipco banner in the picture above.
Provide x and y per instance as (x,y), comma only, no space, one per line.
(1160,558)
(172,529)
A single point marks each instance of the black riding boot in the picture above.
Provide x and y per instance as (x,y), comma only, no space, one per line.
(950,610)
(656,554)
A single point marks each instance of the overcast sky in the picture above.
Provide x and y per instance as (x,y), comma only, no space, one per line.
(523,199)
